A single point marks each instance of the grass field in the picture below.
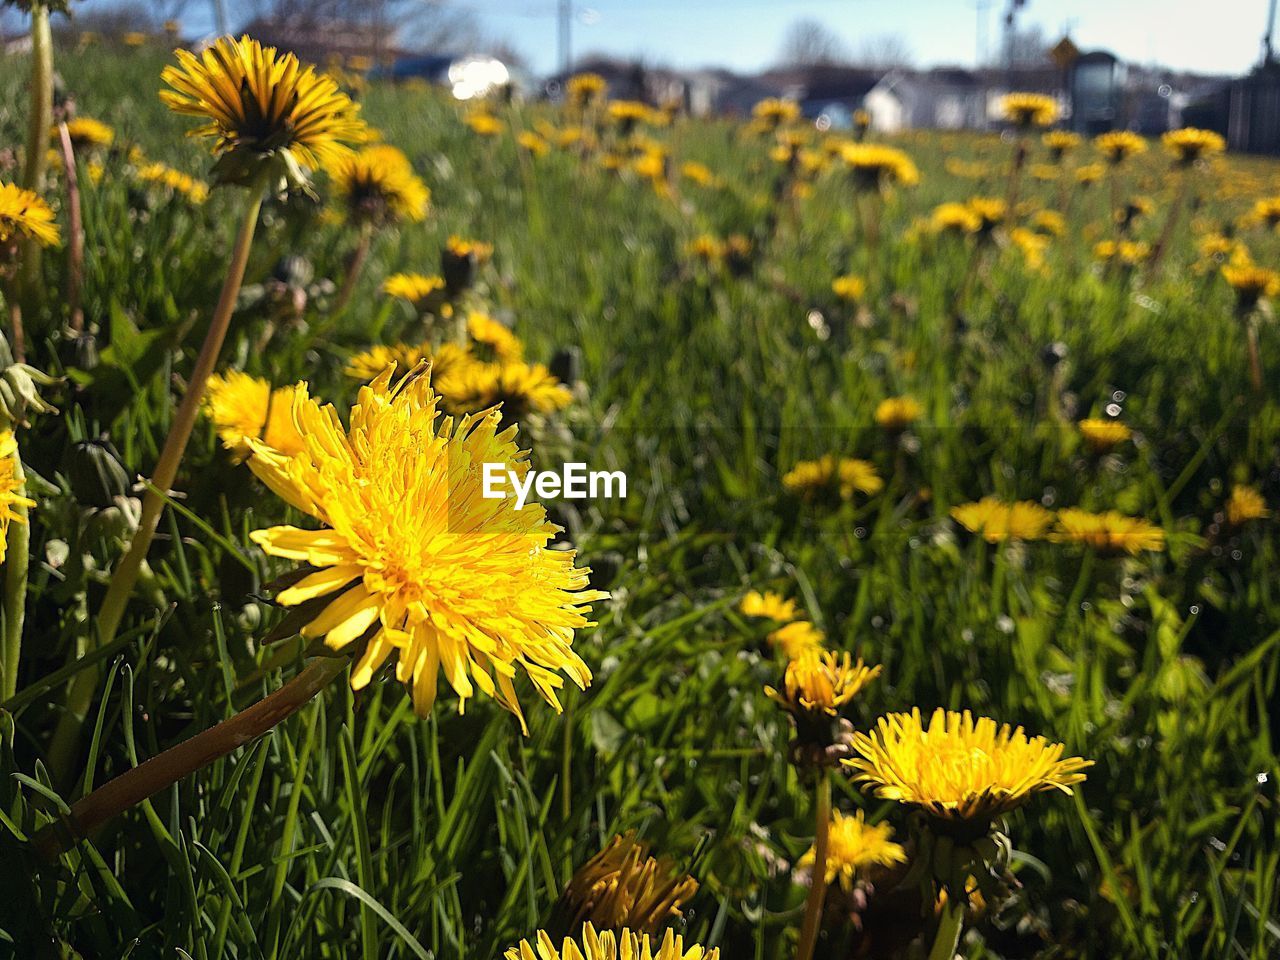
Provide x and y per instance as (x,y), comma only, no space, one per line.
(707,374)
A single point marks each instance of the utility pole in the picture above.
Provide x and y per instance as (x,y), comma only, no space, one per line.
(565,17)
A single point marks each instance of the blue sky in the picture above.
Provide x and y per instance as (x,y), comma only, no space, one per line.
(1222,36)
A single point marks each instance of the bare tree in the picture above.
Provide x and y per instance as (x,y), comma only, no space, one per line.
(884,52)
(809,43)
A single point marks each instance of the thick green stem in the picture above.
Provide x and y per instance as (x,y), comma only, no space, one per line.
(17,557)
(36,160)
(950,926)
(165,769)
(818,882)
(1256,378)
(80,696)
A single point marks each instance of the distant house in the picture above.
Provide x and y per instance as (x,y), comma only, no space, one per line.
(942,99)
(824,88)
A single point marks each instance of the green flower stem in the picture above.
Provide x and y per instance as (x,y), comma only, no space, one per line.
(1170,223)
(36,160)
(167,768)
(17,558)
(1256,378)
(355,266)
(80,696)
(818,882)
(75,233)
(949,928)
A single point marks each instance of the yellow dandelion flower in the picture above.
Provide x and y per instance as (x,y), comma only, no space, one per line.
(1089,174)
(1267,210)
(518,388)
(699,173)
(1251,283)
(483,123)
(959,768)
(1119,145)
(86,133)
(1029,109)
(1128,253)
(610,945)
(1060,142)
(849,288)
(262,106)
(874,166)
(769,605)
(1190,144)
(415,288)
(954,217)
(997,521)
(820,684)
(627,113)
(990,211)
(585,88)
(898,413)
(1103,435)
(773,112)
(795,639)
(245,408)
(1031,245)
(1245,504)
(23,213)
(411,560)
(11,489)
(378,186)
(503,345)
(1110,532)
(706,248)
(623,887)
(853,847)
(533,142)
(175,181)
(1050,222)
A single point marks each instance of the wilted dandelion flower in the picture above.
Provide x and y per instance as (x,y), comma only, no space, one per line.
(1190,144)
(954,217)
(818,685)
(1103,435)
(874,166)
(898,413)
(11,485)
(245,408)
(163,175)
(262,107)
(797,638)
(1029,109)
(958,768)
(844,476)
(1245,504)
(1119,145)
(411,560)
(378,186)
(1251,283)
(849,288)
(610,945)
(87,133)
(769,605)
(1110,532)
(623,887)
(1060,142)
(24,214)
(854,846)
(997,521)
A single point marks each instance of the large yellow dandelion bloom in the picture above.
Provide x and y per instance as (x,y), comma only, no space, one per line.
(1029,109)
(378,186)
(769,605)
(1103,435)
(854,846)
(796,639)
(959,768)
(24,213)
(245,408)
(260,104)
(610,945)
(820,684)
(1109,532)
(898,413)
(86,133)
(1245,504)
(874,165)
(11,485)
(998,521)
(1119,145)
(623,887)
(1190,144)
(411,560)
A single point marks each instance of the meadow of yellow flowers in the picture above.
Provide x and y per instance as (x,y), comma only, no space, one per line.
(939,618)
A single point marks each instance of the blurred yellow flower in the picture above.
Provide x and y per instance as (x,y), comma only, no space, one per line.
(998,521)
(416,288)
(699,173)
(163,175)
(23,213)
(583,89)
(245,408)
(990,211)
(845,476)
(849,288)
(11,489)
(1060,142)
(86,133)
(954,217)
(774,112)
(875,166)
(483,123)
(796,639)
(769,605)
(503,345)
(898,413)
(1190,144)
(958,768)
(378,186)
(853,846)
(1129,253)
(1029,109)
(1103,435)
(1110,532)
(1118,145)
(1251,283)
(534,142)
(518,388)
(1245,504)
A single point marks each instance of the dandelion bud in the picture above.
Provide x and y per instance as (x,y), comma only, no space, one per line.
(96,474)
